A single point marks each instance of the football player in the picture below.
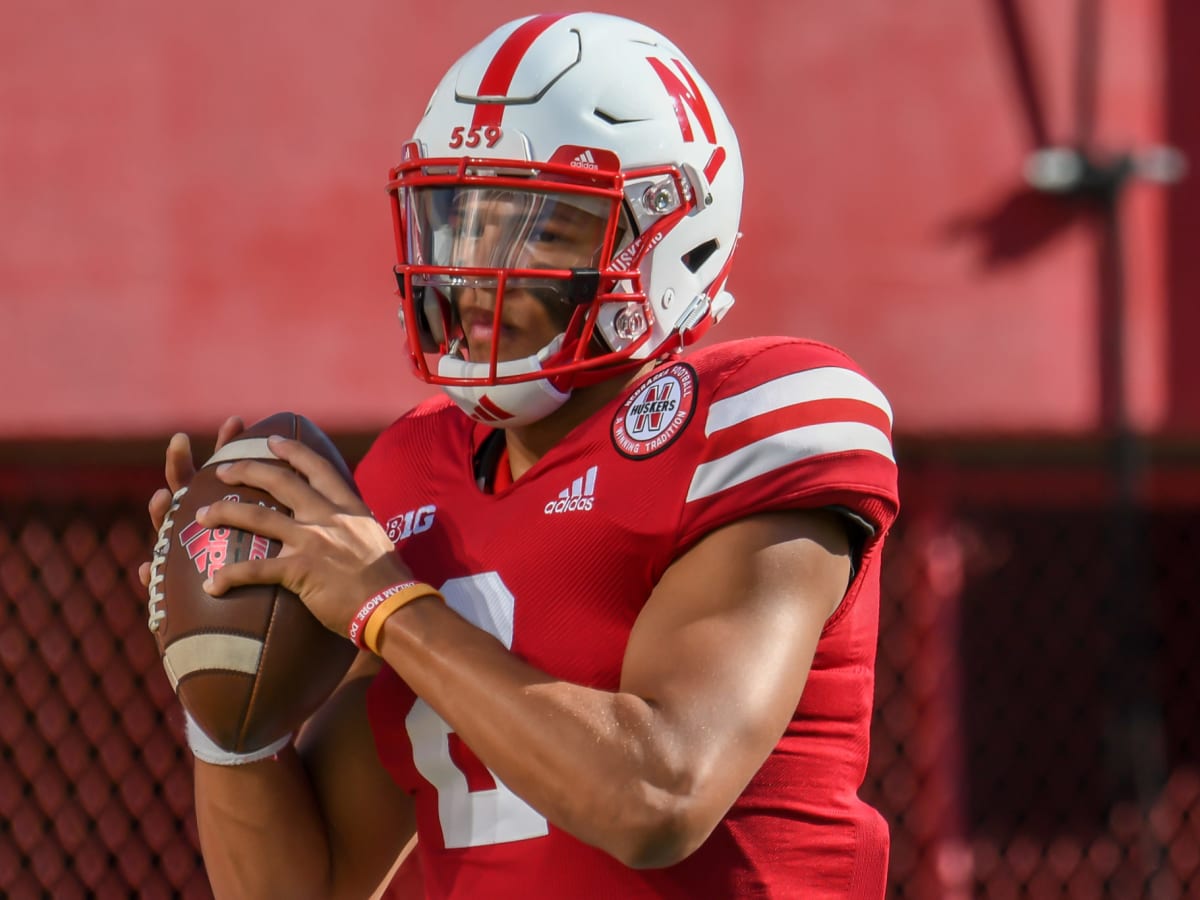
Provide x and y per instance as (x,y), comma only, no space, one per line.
(617,603)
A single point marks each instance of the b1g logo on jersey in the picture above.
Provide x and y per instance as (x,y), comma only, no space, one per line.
(656,412)
(412,522)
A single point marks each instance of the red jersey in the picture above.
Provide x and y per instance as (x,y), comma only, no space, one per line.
(559,564)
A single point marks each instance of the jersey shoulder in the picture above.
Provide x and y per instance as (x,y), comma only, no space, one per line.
(789,422)
(740,363)
(407,444)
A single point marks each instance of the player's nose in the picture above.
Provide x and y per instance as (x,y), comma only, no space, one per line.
(475,297)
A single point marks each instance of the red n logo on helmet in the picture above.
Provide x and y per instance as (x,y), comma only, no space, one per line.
(685,94)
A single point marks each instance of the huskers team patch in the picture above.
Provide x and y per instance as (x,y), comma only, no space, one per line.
(656,412)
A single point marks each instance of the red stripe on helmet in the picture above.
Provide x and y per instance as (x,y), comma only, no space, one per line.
(499,75)
(714,164)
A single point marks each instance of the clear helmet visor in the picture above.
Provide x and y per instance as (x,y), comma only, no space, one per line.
(503,240)
(472,229)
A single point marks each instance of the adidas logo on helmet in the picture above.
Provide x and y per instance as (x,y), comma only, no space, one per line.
(585,160)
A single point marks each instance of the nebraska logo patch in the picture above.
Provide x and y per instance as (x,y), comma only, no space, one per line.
(656,412)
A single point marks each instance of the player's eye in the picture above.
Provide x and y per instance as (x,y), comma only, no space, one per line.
(547,234)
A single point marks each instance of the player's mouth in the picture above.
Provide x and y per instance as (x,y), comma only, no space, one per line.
(478,327)
(480,331)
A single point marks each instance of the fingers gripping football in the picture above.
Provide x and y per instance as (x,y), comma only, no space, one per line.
(251,664)
(179,468)
(334,552)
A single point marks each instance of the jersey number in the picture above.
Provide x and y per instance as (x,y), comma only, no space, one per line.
(491,814)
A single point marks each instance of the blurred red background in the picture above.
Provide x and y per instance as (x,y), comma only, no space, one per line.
(195,221)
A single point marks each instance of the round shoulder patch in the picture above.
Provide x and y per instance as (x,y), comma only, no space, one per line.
(656,412)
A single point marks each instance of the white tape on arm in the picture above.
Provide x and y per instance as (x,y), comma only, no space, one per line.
(206,750)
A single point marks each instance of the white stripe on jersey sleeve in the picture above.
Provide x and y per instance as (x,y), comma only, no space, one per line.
(778,450)
(826,383)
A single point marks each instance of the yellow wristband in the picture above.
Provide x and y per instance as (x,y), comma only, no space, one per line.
(389,605)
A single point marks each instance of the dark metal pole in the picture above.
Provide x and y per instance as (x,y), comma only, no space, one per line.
(1135,750)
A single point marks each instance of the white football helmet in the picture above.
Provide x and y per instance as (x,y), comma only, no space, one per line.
(554,116)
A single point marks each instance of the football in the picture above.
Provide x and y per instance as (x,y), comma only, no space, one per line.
(251,665)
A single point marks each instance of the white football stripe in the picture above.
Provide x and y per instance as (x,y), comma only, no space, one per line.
(827,383)
(778,450)
(197,652)
(246,448)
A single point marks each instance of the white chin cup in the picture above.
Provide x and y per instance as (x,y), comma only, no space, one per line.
(504,405)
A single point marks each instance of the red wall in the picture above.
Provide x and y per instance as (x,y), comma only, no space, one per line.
(195,224)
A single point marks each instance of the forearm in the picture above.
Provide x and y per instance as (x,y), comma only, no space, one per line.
(261,832)
(601,765)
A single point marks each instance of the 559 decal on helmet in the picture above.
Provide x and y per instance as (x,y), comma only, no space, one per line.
(462,136)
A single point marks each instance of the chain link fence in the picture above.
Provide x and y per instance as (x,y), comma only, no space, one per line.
(95,784)
(1038,703)
(1038,725)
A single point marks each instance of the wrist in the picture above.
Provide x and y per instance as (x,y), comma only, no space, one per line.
(365,626)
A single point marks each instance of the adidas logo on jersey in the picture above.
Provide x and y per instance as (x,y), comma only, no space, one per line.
(579,496)
(585,160)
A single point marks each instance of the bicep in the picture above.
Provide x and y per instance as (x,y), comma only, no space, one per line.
(369,818)
(723,647)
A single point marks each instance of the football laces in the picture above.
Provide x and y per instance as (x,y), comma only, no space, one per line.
(157,613)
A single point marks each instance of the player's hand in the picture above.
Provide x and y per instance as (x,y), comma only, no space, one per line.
(335,555)
(180,468)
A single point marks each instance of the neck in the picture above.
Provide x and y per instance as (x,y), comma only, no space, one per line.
(529,443)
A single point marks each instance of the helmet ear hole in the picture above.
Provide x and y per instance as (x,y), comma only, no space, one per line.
(699,255)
